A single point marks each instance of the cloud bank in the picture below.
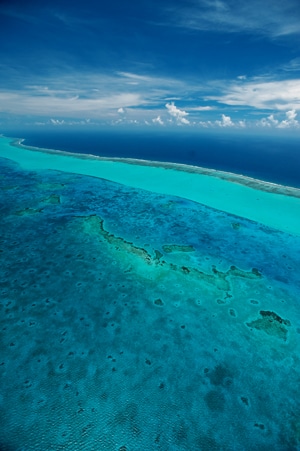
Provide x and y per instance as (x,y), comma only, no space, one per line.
(113,99)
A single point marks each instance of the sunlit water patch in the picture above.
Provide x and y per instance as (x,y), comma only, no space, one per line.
(133,320)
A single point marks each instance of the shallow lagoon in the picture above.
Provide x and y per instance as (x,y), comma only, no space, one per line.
(133,319)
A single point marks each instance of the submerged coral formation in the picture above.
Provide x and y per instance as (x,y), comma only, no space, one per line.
(128,325)
(94,226)
(271,324)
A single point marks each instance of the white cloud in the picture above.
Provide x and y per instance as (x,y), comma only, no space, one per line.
(291,115)
(272,119)
(121,110)
(57,122)
(264,122)
(225,122)
(205,124)
(178,114)
(185,121)
(200,108)
(158,120)
(279,95)
(290,120)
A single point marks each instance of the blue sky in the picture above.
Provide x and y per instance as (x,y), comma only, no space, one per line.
(204,64)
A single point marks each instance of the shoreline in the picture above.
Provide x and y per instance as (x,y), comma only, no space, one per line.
(232,177)
(270,205)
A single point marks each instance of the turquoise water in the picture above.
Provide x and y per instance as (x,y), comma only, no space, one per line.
(266,203)
(133,319)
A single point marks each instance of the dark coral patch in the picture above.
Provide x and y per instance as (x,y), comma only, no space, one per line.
(245,400)
(232,312)
(253,274)
(272,316)
(158,302)
(221,301)
(272,324)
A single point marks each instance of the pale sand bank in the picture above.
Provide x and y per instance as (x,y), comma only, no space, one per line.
(235,194)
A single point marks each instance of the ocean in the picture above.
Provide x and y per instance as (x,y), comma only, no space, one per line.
(272,158)
(149,307)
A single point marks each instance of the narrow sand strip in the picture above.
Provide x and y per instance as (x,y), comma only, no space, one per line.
(279,211)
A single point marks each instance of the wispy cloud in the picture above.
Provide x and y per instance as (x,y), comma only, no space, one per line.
(50,104)
(278,95)
(135,77)
(78,94)
(292,66)
(200,108)
(273,18)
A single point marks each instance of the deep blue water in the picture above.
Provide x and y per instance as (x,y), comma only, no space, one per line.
(271,158)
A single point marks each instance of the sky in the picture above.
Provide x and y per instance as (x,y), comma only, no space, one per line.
(195,64)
